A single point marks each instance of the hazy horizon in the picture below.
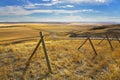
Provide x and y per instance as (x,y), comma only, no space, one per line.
(63,22)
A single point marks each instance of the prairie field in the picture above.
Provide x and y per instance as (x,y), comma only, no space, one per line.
(18,41)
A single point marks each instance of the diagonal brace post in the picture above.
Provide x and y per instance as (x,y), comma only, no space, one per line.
(101,41)
(28,62)
(117,38)
(83,44)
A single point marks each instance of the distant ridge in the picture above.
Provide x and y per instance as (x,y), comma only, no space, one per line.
(36,22)
(61,22)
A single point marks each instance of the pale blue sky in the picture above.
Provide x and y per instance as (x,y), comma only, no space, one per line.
(60,10)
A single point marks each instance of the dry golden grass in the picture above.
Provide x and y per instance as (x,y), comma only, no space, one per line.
(67,62)
(18,32)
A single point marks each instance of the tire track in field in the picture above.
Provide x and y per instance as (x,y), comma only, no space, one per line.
(18,40)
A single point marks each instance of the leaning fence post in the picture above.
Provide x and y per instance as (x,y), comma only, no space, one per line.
(101,41)
(109,42)
(83,43)
(46,55)
(28,62)
(92,45)
(117,38)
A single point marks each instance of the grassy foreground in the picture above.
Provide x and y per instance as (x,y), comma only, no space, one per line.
(67,62)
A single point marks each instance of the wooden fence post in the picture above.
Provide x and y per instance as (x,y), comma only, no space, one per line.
(28,62)
(46,55)
(109,42)
(117,38)
(101,41)
(83,43)
(92,45)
